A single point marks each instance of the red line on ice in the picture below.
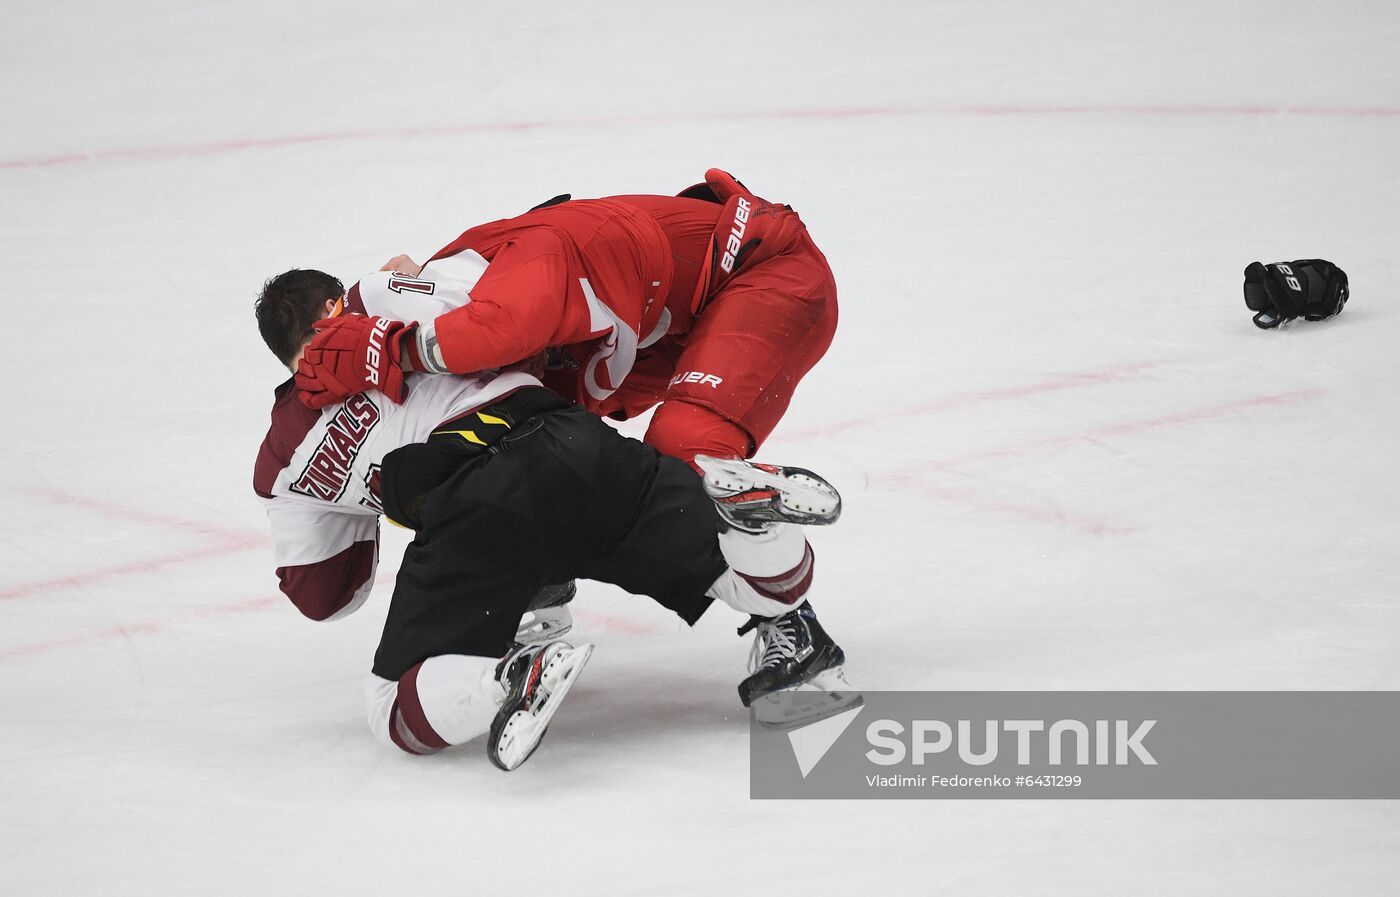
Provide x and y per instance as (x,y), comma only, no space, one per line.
(1130,427)
(910,477)
(130,568)
(1111,374)
(231,541)
(174,151)
(976,502)
(125,630)
(130,513)
(584,618)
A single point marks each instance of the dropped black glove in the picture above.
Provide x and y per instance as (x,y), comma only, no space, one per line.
(1310,288)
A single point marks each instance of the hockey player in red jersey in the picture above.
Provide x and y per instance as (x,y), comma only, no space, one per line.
(713,303)
(511,489)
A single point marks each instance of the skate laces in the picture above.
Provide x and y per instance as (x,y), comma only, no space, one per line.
(773,643)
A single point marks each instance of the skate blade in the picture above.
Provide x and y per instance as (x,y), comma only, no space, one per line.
(815,500)
(544,625)
(524,730)
(825,694)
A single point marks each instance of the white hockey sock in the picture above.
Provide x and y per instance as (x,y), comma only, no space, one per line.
(445,700)
(769,574)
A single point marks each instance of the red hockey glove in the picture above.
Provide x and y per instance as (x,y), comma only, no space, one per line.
(351,354)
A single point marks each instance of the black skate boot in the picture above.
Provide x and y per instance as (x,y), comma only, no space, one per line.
(751,496)
(797,671)
(536,679)
(547,616)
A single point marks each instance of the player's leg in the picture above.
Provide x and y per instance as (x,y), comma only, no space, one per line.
(657,528)
(680,549)
(682,429)
(771,571)
(745,356)
(766,574)
(491,534)
(452,699)
(438,702)
(673,548)
(492,530)
(752,345)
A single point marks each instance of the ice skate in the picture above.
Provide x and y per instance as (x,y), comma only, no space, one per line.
(548,617)
(751,496)
(797,671)
(536,679)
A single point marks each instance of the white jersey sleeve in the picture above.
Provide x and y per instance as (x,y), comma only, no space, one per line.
(325,559)
(306,532)
(442,285)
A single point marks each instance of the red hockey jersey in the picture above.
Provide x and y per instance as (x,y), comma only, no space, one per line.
(605,277)
(592,273)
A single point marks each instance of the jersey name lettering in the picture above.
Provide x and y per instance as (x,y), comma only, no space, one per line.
(328,471)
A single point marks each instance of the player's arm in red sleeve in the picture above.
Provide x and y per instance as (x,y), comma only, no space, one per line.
(520,306)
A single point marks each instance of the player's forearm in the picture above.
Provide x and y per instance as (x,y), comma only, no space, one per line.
(421,353)
(476,338)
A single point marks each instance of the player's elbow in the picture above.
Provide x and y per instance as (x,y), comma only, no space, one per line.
(333,588)
(316,606)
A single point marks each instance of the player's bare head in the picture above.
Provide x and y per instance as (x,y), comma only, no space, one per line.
(289,304)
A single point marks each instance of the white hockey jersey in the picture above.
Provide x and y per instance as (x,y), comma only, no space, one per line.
(318,471)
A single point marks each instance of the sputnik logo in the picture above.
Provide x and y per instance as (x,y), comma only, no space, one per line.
(811,742)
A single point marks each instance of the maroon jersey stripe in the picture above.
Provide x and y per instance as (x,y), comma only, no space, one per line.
(291,421)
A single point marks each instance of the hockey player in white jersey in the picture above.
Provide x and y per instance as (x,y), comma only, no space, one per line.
(511,489)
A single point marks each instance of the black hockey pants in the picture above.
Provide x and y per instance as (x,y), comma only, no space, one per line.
(559,496)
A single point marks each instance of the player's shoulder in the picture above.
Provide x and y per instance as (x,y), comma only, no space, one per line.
(289,424)
(444,284)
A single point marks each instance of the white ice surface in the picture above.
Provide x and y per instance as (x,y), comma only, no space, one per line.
(1069,459)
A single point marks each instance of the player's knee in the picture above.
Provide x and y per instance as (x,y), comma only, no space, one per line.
(396,714)
(778,563)
(684,430)
(769,573)
(442,701)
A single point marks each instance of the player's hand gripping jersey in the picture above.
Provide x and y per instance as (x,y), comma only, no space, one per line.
(318,471)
